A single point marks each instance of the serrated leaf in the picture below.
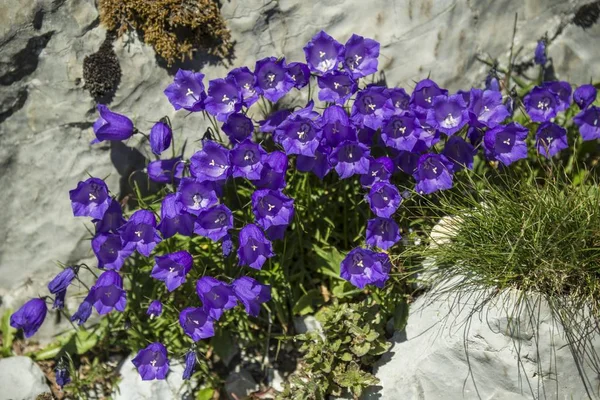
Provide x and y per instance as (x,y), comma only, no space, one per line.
(361,349)
(346,357)
(371,336)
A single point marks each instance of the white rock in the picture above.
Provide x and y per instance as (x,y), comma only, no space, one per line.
(132,387)
(307,324)
(21,379)
(433,363)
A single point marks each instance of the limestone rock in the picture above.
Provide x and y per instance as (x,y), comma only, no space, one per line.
(496,353)
(21,379)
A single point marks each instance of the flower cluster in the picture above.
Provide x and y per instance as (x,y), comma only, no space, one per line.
(365,132)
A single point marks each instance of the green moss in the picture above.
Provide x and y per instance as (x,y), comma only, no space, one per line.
(175,28)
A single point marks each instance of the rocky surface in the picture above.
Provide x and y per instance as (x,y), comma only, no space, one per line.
(21,379)
(454,349)
(46,114)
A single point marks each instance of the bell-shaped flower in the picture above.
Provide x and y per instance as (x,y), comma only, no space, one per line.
(336,126)
(422,96)
(506,143)
(30,316)
(166,171)
(272,209)
(152,362)
(247,84)
(223,98)
(211,163)
(196,323)
(238,128)
(362,267)
(318,164)
(110,250)
(214,222)
(584,96)
(299,73)
(108,293)
(90,198)
(111,126)
(336,86)
(460,153)
(550,139)
(588,122)
(380,169)
(112,219)
(139,233)
(382,232)
(350,158)
(254,248)
(433,173)
(216,296)
(174,218)
(298,135)
(401,131)
(246,160)
(486,108)
(272,78)
(371,107)
(384,199)
(360,56)
(541,104)
(272,176)
(251,294)
(195,195)
(172,268)
(323,53)
(187,91)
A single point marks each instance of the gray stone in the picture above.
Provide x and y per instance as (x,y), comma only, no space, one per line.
(453,349)
(307,324)
(132,387)
(240,385)
(21,379)
(46,115)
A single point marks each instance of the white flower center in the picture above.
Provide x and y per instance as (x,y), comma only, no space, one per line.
(189,92)
(92,197)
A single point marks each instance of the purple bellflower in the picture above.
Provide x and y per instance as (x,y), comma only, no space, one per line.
(272,78)
(270,124)
(588,122)
(29,317)
(506,143)
(400,99)
(540,57)
(62,280)
(336,126)
(422,97)
(254,248)
(216,296)
(196,196)
(384,199)
(382,232)
(223,98)
(238,127)
(406,161)
(90,198)
(152,362)
(112,219)
(541,104)
(247,84)
(110,250)
(172,268)
(323,53)
(174,218)
(251,294)
(550,139)
(84,311)
(139,232)
(273,211)
(584,96)
(214,222)
(371,107)
(111,126)
(226,245)
(401,131)
(350,158)
(190,364)
(160,137)
(360,56)
(362,267)
(562,90)
(211,163)
(298,135)
(59,300)
(336,86)
(246,160)
(448,113)
(380,170)
(460,153)
(318,165)
(433,173)
(61,373)
(166,171)
(273,172)
(154,309)
(196,323)
(300,74)
(187,91)
(486,108)
(108,293)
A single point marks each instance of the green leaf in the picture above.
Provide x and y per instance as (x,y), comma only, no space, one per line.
(309,302)
(346,357)
(361,349)
(223,344)
(75,342)
(8,333)
(401,315)
(205,394)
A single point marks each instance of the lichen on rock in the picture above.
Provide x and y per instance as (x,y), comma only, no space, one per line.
(102,72)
